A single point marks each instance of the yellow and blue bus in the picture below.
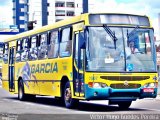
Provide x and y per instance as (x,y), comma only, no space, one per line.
(105,56)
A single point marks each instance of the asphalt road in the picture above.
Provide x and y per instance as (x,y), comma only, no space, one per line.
(48,107)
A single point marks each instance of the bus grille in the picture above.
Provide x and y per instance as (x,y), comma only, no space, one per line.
(123,78)
(123,86)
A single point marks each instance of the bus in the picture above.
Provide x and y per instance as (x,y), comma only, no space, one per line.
(93,56)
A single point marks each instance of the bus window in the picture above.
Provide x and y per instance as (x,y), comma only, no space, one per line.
(66,43)
(5,53)
(42,49)
(144,43)
(53,45)
(80,64)
(33,48)
(18,51)
(139,43)
(76,49)
(24,53)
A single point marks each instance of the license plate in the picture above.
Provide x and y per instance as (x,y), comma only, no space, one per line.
(148,90)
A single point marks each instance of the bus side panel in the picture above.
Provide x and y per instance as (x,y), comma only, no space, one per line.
(48,74)
(5,82)
(22,70)
(65,69)
(44,77)
(49,80)
(49,88)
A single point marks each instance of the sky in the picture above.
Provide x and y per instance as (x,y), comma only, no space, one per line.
(150,8)
(6,13)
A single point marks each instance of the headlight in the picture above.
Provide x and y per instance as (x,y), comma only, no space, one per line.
(150,85)
(96,85)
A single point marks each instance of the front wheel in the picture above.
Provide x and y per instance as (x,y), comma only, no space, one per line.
(124,104)
(68,100)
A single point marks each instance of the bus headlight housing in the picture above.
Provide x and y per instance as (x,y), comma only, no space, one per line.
(97,85)
(150,85)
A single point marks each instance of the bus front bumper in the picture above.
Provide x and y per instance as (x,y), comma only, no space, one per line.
(109,93)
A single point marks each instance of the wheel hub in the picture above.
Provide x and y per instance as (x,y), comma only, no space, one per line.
(20,93)
(68,95)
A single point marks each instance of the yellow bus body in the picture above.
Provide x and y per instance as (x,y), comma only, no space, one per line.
(46,75)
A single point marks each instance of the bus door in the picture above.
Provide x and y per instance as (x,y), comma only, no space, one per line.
(78,66)
(11,69)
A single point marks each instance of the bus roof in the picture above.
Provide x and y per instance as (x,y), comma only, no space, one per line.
(49,27)
(62,23)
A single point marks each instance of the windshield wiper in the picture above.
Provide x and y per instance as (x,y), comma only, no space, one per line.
(111,34)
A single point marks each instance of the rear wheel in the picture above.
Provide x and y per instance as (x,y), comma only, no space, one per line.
(21,95)
(124,104)
(68,100)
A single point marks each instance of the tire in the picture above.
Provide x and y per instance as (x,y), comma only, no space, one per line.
(67,97)
(124,104)
(21,95)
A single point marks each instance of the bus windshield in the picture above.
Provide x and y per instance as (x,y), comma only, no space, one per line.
(131,51)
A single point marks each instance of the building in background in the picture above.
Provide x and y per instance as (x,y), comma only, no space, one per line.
(44,12)
(64,9)
(20,14)
(50,11)
(38,11)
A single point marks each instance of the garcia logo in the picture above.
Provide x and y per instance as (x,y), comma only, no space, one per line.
(44,68)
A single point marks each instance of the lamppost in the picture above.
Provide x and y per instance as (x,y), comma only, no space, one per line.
(85,6)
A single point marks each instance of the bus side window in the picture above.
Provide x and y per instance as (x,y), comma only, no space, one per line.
(53,45)
(24,53)
(42,47)
(18,51)
(5,53)
(66,43)
(33,48)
